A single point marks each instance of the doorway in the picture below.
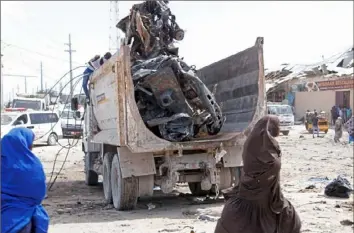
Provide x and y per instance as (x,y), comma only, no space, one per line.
(343,99)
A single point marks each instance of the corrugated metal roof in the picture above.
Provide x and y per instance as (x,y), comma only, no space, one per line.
(337,65)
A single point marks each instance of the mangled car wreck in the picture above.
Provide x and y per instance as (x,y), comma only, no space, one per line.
(173,102)
(153,121)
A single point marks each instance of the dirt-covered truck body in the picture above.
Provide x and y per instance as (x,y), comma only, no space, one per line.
(132,159)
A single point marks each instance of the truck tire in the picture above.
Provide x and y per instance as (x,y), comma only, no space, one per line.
(91,177)
(125,191)
(106,173)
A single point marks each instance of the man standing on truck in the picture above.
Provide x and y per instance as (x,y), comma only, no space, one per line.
(93,65)
(315,125)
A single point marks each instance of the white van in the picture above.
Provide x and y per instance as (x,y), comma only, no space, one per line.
(45,124)
(285,115)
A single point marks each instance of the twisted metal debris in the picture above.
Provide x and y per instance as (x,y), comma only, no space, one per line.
(173,102)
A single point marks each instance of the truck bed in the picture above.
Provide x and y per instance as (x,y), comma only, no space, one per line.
(240,91)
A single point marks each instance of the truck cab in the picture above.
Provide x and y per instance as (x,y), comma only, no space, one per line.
(29,103)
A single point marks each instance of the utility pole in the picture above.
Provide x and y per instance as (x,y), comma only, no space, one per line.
(70,51)
(41,77)
(21,76)
(114,36)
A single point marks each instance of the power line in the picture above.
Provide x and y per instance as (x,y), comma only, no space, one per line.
(38,53)
(20,75)
(70,51)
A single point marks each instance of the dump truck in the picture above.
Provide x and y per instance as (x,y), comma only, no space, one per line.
(132,160)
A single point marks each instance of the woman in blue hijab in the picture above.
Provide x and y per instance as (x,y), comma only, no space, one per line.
(23,186)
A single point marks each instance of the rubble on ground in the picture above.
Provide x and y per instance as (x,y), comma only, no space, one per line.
(173,102)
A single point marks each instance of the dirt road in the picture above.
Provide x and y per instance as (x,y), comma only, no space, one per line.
(307,166)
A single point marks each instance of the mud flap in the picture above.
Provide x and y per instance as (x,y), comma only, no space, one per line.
(135,164)
(233,157)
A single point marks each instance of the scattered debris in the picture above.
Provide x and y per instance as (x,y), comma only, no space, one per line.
(311,187)
(173,102)
(151,206)
(347,222)
(319,179)
(207,218)
(339,187)
(170,230)
(314,202)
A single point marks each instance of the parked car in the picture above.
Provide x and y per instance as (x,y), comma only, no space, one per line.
(285,115)
(44,124)
(71,125)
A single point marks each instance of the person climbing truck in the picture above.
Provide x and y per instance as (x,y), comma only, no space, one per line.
(93,65)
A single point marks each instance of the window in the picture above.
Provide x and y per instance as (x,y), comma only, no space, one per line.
(23,118)
(43,118)
(29,104)
(67,115)
(7,118)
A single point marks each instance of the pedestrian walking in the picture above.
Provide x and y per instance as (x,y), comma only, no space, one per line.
(257,205)
(338,129)
(315,125)
(350,128)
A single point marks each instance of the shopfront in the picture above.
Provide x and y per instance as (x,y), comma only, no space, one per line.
(323,95)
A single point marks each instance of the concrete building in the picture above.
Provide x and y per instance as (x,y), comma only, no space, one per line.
(319,86)
(338,92)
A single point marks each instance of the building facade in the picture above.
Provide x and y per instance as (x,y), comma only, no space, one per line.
(323,95)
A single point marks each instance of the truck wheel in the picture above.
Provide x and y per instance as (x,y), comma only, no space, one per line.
(91,177)
(125,191)
(107,188)
(52,139)
(286,133)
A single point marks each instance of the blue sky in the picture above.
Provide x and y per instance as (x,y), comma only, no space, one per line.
(294,32)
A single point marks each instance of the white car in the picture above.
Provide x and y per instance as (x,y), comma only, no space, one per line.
(45,125)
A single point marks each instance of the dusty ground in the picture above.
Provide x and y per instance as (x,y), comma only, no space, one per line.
(74,207)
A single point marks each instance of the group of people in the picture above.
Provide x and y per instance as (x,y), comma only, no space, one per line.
(256,205)
(344,113)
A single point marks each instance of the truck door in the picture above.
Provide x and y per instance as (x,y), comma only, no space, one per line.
(23,121)
(37,120)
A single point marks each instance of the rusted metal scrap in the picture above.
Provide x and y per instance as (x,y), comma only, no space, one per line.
(173,102)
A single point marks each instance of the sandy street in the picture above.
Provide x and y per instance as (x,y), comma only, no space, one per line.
(307,166)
